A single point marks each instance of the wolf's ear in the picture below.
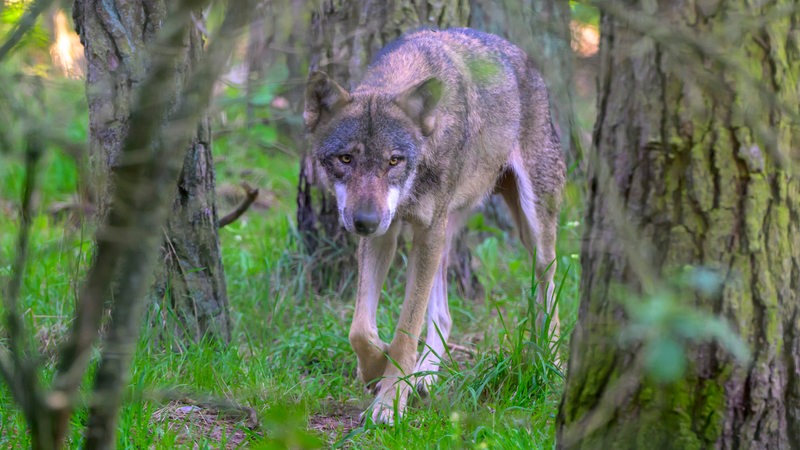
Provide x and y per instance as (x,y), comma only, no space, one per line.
(323,98)
(419,102)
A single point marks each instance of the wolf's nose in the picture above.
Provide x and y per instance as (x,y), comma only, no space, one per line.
(366,222)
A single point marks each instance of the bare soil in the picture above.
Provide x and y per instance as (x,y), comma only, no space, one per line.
(190,420)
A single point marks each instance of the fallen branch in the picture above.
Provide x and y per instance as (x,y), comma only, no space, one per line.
(223,407)
(251,194)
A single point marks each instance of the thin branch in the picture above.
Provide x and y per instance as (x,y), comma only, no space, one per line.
(17,369)
(251,194)
(32,155)
(23,26)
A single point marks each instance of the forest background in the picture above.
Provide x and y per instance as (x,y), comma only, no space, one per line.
(215,314)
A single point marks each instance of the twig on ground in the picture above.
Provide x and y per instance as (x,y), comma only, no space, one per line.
(460,348)
(221,406)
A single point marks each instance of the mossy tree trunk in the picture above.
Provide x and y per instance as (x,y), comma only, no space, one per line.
(345,34)
(697,127)
(190,283)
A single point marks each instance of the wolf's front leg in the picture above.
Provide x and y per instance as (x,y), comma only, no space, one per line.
(397,383)
(375,254)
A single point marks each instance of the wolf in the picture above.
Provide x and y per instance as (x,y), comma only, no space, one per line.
(441,120)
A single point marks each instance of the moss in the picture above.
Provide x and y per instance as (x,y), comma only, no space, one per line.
(691,413)
(665,421)
(712,400)
(678,418)
(701,186)
(781,218)
(582,400)
(681,246)
(718,237)
(725,170)
(757,199)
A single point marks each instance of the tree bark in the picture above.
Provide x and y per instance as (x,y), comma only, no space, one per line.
(190,282)
(697,119)
(192,277)
(345,34)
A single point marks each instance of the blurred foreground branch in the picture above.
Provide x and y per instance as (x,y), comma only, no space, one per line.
(127,241)
(23,26)
(17,365)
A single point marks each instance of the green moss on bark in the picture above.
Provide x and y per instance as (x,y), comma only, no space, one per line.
(705,189)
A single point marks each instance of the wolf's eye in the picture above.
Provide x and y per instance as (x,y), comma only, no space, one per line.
(345,159)
(395,160)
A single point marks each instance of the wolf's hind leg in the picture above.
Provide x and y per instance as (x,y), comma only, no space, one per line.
(375,255)
(537,228)
(438,330)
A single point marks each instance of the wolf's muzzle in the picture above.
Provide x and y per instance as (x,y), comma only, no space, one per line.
(366,221)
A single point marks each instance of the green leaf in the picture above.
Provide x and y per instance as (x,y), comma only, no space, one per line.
(584,13)
(263,96)
(665,359)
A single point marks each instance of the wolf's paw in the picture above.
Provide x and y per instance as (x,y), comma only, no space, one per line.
(383,414)
(423,383)
(425,374)
(390,402)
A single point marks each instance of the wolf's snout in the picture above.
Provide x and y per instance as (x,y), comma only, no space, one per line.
(366,221)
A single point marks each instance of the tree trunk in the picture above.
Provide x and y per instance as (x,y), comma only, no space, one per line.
(192,277)
(345,34)
(190,283)
(697,118)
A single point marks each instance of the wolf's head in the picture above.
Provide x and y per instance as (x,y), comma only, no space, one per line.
(368,145)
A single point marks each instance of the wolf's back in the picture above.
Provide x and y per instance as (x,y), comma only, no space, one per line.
(456,55)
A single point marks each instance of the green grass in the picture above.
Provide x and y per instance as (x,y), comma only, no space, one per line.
(290,359)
